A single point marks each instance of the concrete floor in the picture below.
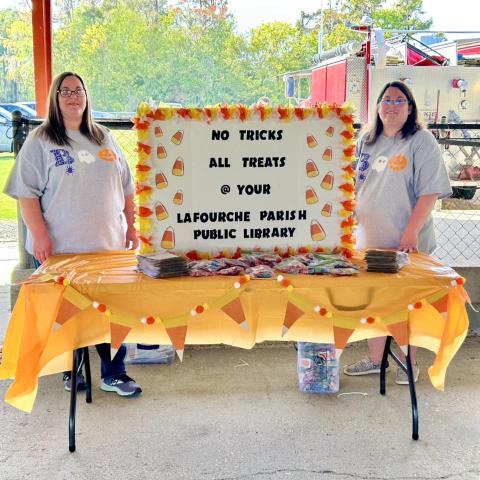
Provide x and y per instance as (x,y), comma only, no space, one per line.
(231,414)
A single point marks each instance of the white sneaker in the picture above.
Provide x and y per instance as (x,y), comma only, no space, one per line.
(365,366)
(401,377)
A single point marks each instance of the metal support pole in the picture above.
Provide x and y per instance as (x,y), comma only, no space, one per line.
(20,132)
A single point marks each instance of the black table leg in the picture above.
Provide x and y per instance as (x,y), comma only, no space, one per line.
(80,357)
(73,401)
(411,384)
(383,366)
(88,376)
(413,396)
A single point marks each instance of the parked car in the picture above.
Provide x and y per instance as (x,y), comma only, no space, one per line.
(102,115)
(31,105)
(24,110)
(6,131)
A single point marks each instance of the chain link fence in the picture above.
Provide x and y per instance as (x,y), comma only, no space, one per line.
(456,219)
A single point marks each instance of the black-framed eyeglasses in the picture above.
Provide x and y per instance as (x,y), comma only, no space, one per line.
(397,101)
(65,92)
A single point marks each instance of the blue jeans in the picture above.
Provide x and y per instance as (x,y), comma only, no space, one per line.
(109,368)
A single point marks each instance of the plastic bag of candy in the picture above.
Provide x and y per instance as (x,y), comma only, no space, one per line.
(234,270)
(271,259)
(260,271)
(205,268)
(292,265)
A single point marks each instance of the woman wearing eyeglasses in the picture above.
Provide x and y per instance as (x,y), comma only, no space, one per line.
(400,176)
(75,193)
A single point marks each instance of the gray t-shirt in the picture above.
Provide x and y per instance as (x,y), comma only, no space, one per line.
(81,188)
(391,175)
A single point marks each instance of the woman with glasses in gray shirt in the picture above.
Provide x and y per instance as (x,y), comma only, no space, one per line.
(75,193)
(400,176)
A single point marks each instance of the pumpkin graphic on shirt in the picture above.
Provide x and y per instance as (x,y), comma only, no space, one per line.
(398,163)
(107,154)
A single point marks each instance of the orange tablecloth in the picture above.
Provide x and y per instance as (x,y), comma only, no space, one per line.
(424,305)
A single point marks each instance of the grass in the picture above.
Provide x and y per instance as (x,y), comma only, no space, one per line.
(8,206)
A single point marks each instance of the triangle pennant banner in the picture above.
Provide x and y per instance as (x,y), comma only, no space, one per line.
(341,336)
(234,310)
(441,305)
(66,311)
(399,332)
(117,336)
(177,336)
(292,314)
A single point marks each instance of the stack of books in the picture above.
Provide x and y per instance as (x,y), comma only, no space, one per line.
(162,265)
(386,261)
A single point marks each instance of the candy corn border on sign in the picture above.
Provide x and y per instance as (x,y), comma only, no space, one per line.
(159,148)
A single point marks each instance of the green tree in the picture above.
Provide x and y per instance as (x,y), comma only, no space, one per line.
(7,86)
(405,14)
(18,54)
(272,50)
(402,15)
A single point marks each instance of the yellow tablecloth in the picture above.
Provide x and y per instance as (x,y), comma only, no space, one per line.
(51,318)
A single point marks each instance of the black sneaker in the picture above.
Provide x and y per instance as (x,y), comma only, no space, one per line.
(67,382)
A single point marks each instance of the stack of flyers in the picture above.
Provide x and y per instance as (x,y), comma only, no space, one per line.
(386,261)
(162,265)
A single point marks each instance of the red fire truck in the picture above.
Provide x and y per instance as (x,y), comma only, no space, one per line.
(442,84)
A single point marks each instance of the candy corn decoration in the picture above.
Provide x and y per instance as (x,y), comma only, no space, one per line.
(310,196)
(341,336)
(161,211)
(317,232)
(312,170)
(161,152)
(177,137)
(327,210)
(178,168)
(329,131)
(292,314)
(158,132)
(311,141)
(178,198)
(234,310)
(327,182)
(327,154)
(168,239)
(399,332)
(161,180)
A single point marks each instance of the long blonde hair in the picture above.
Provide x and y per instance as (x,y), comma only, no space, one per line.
(53,128)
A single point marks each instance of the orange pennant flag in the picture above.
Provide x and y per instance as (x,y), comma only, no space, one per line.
(117,336)
(399,332)
(441,305)
(292,314)
(341,336)
(177,336)
(66,311)
(234,309)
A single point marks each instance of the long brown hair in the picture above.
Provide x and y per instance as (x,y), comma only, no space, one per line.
(53,128)
(410,127)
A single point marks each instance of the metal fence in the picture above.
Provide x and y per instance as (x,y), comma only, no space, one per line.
(456,219)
